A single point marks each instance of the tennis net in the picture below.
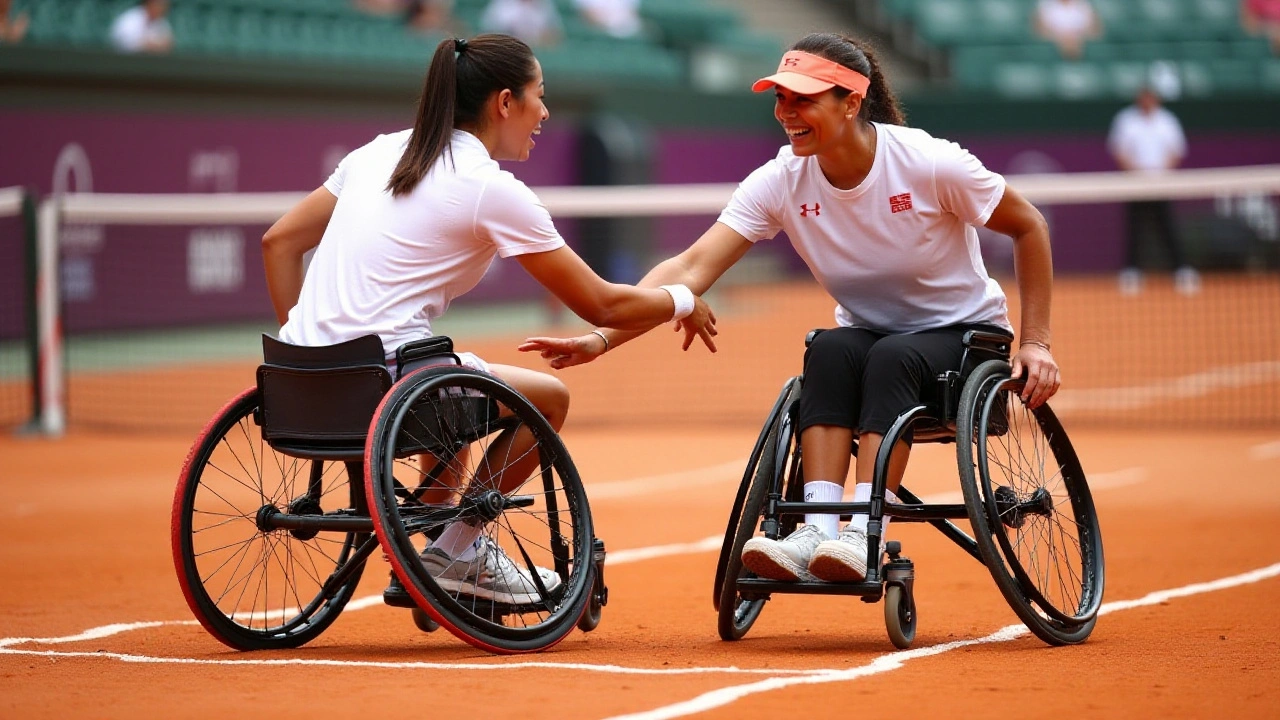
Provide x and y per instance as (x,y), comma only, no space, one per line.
(162,301)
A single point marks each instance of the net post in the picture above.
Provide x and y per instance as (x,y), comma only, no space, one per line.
(30,253)
(49,352)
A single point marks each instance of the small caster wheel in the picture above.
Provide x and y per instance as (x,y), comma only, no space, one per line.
(590,619)
(424,621)
(899,616)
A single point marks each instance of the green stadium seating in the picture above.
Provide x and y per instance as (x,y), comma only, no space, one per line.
(1269,76)
(992,47)
(334,31)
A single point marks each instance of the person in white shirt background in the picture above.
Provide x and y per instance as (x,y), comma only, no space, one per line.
(537,22)
(412,220)
(619,18)
(1067,24)
(1146,137)
(884,216)
(143,28)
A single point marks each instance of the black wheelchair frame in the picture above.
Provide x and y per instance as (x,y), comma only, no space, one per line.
(262,469)
(975,407)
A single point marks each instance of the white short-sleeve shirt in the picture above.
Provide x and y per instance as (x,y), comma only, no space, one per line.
(899,252)
(133,29)
(1152,141)
(390,266)
(1069,19)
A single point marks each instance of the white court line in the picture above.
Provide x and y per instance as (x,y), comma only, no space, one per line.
(1188,386)
(616,557)
(1265,451)
(666,483)
(893,661)
(702,703)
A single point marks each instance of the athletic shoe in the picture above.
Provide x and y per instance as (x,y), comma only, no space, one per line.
(1186,281)
(490,575)
(785,559)
(843,559)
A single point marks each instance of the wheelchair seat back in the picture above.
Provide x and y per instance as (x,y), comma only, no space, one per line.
(317,402)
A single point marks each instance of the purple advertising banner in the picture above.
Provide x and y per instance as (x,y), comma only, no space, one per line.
(124,276)
(121,276)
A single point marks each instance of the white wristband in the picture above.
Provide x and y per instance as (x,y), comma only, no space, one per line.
(683,298)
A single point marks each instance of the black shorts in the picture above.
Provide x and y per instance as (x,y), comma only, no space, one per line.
(863,380)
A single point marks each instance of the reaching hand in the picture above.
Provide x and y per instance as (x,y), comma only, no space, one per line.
(1042,375)
(700,323)
(565,352)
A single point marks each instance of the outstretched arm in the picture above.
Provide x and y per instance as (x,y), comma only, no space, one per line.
(287,241)
(1033,266)
(698,268)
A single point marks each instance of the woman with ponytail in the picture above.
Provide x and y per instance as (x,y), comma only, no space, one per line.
(413,220)
(885,218)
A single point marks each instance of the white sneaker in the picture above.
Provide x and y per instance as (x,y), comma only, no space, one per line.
(1186,280)
(843,559)
(785,559)
(1130,281)
(491,575)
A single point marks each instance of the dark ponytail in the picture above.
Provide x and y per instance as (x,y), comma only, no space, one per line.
(461,77)
(880,105)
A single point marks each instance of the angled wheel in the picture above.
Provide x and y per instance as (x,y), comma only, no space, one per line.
(769,460)
(256,589)
(453,445)
(1030,506)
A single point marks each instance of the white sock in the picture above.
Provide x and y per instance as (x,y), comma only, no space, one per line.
(861,494)
(823,491)
(458,540)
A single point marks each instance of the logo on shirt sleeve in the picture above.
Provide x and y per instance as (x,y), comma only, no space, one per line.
(898,203)
(805,209)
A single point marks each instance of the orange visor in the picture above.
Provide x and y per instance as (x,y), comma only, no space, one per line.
(808,74)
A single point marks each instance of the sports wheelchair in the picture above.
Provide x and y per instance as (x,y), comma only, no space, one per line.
(1025,496)
(293,485)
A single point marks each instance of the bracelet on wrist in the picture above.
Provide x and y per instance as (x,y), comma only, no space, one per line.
(1036,343)
(601,335)
(683,298)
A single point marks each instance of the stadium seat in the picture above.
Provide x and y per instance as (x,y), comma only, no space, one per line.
(1026,80)
(1080,80)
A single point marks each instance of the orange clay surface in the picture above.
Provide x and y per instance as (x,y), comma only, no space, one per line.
(84,531)
(93,623)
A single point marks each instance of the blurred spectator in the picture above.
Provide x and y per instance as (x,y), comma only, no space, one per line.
(1262,17)
(619,18)
(433,17)
(12,29)
(143,28)
(1146,138)
(1067,24)
(537,22)
(381,7)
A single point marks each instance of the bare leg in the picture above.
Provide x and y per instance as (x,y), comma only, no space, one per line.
(868,447)
(551,397)
(826,450)
(447,484)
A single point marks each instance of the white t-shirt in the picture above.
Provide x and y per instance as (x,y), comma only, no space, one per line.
(619,18)
(899,252)
(390,266)
(1065,19)
(1152,142)
(133,30)
(530,20)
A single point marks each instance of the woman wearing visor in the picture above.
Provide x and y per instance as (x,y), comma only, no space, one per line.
(884,216)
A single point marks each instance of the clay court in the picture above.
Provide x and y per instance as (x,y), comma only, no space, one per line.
(93,623)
